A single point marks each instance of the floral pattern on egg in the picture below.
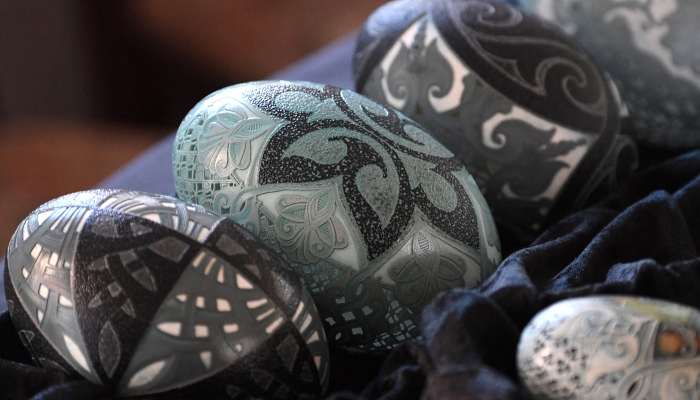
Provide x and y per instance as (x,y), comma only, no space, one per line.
(368,208)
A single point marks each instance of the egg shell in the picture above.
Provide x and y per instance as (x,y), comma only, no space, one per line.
(519,102)
(652,51)
(612,347)
(145,293)
(372,213)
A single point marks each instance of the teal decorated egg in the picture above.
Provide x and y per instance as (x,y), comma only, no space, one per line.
(372,212)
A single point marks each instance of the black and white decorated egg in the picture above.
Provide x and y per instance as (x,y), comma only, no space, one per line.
(373,213)
(652,51)
(145,293)
(521,104)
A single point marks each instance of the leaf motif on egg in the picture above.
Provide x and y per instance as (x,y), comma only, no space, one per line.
(382,159)
(226,134)
(426,273)
(306,228)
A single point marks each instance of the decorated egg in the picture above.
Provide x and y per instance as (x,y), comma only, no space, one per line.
(145,293)
(522,105)
(612,347)
(372,212)
(652,51)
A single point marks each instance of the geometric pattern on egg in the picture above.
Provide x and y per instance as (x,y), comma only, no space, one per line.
(372,213)
(146,293)
(612,347)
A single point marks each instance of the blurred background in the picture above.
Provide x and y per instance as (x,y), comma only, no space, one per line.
(87,85)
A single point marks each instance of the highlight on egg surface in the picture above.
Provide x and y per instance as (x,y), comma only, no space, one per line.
(521,104)
(373,213)
(145,293)
(612,347)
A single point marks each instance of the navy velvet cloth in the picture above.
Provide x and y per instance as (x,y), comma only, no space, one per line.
(642,240)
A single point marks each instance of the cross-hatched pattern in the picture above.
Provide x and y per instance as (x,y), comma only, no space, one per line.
(212,317)
(195,183)
(402,319)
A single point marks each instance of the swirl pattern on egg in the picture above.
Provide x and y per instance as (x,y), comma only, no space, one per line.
(651,50)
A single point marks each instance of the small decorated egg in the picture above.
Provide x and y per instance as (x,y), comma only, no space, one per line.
(372,212)
(652,51)
(145,293)
(521,104)
(612,347)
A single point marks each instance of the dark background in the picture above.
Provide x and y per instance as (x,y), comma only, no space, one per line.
(86,85)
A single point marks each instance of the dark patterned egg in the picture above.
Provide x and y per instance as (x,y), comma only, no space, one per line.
(372,212)
(612,347)
(520,103)
(145,293)
(652,51)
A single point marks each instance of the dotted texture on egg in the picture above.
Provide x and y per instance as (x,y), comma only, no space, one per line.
(372,213)
(519,102)
(145,293)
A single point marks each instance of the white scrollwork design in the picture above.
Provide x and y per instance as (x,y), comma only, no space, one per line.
(612,348)
(520,158)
